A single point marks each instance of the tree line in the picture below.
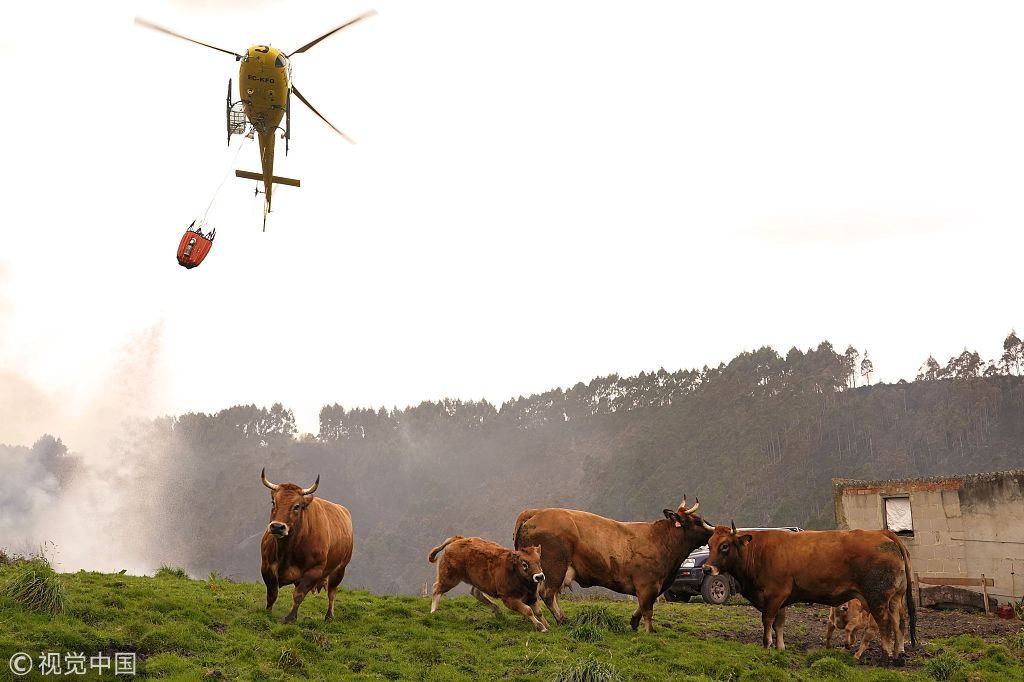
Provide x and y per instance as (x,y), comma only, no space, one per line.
(758,439)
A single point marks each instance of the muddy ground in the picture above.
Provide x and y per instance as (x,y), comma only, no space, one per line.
(806,624)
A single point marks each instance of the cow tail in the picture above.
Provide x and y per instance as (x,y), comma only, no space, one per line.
(524,516)
(515,536)
(432,557)
(911,608)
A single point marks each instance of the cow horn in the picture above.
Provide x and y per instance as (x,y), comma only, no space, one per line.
(707,526)
(312,489)
(692,510)
(733,523)
(263,477)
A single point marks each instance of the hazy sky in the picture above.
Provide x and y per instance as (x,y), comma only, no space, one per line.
(541,193)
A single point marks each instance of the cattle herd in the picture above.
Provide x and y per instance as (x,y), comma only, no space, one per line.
(864,575)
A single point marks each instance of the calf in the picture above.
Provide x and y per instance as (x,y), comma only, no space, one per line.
(491,571)
(851,617)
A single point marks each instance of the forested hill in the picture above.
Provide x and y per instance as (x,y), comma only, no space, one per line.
(757,440)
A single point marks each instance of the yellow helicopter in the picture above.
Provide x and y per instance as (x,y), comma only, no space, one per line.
(264,89)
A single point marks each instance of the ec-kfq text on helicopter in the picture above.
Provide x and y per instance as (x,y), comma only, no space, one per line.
(264,89)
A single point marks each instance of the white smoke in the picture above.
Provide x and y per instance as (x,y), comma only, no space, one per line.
(24,409)
(91,508)
(26,491)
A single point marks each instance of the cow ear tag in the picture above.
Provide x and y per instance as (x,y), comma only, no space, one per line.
(678,525)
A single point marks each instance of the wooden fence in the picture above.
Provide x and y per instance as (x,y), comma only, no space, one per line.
(982,582)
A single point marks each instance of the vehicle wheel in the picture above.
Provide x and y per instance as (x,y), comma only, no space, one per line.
(676,597)
(715,589)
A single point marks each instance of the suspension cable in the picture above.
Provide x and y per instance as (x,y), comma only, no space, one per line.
(216,192)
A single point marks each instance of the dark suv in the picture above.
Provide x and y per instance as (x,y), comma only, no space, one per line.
(714,589)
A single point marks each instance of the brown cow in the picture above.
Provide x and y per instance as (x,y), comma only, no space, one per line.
(639,558)
(308,543)
(491,571)
(830,567)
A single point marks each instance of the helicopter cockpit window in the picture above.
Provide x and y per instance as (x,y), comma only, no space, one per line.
(280,62)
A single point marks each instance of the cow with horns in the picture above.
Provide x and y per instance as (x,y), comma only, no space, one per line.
(638,558)
(777,568)
(308,543)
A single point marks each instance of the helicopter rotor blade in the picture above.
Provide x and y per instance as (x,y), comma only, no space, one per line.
(313,109)
(139,21)
(364,15)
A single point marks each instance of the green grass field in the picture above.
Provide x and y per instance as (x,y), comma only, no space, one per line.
(185,629)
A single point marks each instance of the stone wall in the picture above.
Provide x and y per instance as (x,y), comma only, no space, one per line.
(964,526)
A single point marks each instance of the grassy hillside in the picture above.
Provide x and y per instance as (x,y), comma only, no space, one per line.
(187,629)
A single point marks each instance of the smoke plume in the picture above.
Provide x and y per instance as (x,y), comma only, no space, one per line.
(75,485)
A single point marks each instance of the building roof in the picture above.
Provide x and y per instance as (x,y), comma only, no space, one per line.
(852,486)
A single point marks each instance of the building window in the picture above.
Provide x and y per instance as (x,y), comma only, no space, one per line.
(897,515)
